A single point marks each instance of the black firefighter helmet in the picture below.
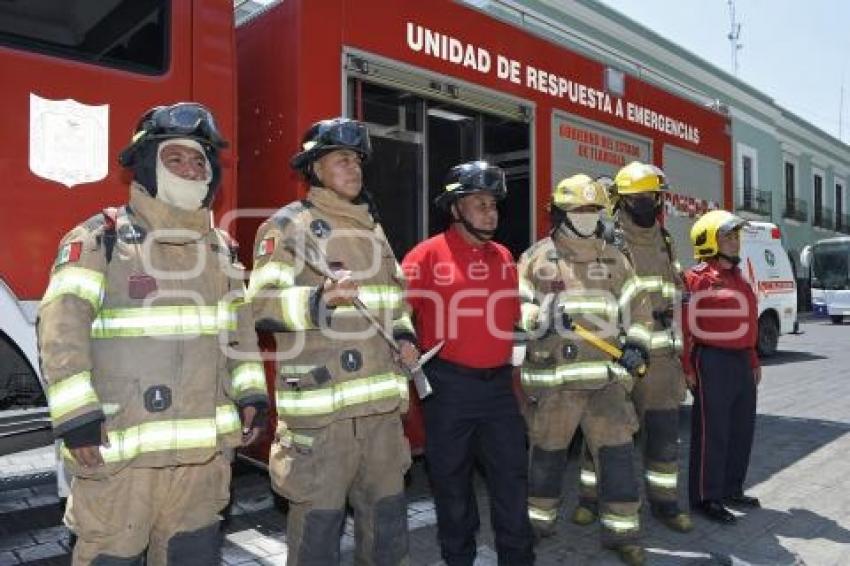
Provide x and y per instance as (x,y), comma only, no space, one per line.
(326,136)
(186,120)
(471,178)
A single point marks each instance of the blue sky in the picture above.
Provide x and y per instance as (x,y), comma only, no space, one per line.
(797,52)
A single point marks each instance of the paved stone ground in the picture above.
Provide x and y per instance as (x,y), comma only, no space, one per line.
(800,470)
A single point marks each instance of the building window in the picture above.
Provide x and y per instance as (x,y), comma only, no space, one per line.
(749,197)
(789,182)
(747,181)
(128,34)
(840,221)
(817,200)
(790,192)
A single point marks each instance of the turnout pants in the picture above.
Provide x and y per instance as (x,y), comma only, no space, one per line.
(656,398)
(473,417)
(608,421)
(722,423)
(360,461)
(170,514)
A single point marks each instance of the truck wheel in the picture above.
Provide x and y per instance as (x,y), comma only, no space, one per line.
(19,386)
(837,318)
(768,335)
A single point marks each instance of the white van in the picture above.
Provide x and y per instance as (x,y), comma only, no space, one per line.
(766,265)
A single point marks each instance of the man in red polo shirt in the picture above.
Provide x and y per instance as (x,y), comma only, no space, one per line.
(462,289)
(722,368)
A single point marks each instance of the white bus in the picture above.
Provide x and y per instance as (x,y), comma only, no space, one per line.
(828,262)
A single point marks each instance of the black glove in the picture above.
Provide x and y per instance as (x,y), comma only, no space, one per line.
(84,435)
(634,359)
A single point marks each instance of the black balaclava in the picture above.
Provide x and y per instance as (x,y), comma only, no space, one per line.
(643,211)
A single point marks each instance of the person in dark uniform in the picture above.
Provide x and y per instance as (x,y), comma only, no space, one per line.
(462,290)
(721,365)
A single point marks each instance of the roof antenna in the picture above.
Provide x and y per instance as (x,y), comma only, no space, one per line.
(733,35)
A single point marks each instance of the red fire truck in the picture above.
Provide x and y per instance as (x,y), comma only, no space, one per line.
(438,82)
(76,75)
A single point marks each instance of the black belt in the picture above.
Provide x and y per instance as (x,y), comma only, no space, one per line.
(483,374)
(722,349)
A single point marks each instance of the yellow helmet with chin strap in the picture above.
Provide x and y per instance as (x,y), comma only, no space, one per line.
(577,191)
(637,177)
(708,227)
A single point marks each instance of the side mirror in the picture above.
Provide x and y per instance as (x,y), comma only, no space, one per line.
(806,257)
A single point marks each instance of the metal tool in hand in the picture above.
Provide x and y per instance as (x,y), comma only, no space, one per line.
(319,263)
(589,336)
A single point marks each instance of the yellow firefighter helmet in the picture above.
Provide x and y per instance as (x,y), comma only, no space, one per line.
(579,190)
(637,177)
(710,225)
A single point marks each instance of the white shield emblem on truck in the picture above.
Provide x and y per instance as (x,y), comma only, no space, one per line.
(69,141)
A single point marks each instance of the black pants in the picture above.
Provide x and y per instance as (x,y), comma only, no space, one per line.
(472,417)
(722,424)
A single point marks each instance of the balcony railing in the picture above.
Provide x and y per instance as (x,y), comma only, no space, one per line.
(758,202)
(796,209)
(823,218)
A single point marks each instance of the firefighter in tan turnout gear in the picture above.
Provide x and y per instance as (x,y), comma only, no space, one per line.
(150,356)
(658,395)
(576,304)
(340,390)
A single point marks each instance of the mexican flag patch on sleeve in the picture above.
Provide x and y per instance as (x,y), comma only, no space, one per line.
(265,247)
(69,253)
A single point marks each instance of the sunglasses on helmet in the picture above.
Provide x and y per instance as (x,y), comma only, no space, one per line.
(186,118)
(345,133)
(490,178)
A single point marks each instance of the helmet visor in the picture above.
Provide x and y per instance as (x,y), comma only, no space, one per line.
(731,225)
(190,119)
(347,134)
(490,179)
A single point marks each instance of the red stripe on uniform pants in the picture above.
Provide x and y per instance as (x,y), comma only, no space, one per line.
(700,384)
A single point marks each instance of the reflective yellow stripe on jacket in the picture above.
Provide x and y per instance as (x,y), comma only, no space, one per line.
(70,394)
(278,280)
(274,274)
(645,284)
(578,304)
(572,373)
(86,284)
(341,395)
(167,435)
(295,308)
(248,376)
(289,438)
(639,334)
(664,339)
(377,297)
(187,320)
